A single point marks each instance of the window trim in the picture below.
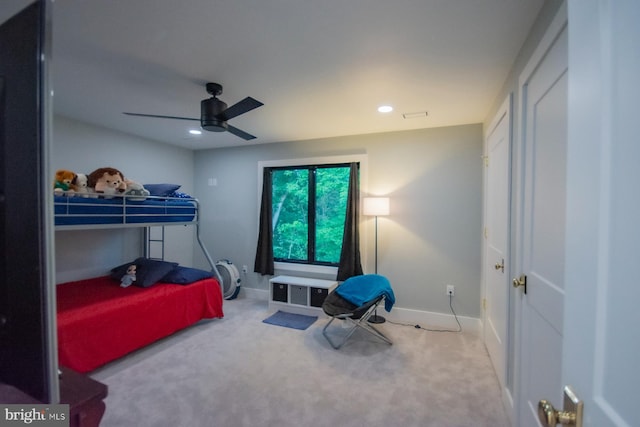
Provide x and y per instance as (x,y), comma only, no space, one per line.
(310,161)
(312,230)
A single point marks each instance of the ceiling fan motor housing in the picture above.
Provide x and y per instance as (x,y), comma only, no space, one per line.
(209,115)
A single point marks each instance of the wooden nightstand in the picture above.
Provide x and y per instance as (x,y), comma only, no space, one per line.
(84,396)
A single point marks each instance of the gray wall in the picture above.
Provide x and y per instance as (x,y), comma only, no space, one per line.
(433,177)
(432,237)
(83,148)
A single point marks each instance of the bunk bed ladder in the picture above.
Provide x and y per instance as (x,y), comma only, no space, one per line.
(154,242)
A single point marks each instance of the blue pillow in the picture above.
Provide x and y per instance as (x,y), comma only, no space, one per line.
(185,275)
(148,271)
(161,190)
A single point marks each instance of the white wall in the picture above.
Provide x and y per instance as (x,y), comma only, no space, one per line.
(431,238)
(83,148)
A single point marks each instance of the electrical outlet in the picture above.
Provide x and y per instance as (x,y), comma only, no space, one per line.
(450,290)
(244,269)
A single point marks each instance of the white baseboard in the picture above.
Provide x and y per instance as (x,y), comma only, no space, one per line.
(433,320)
(426,319)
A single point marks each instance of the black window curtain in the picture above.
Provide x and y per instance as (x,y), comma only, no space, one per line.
(264,252)
(350,263)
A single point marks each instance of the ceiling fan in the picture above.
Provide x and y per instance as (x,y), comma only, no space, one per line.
(214,113)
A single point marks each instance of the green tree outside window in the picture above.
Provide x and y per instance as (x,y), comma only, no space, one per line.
(309,208)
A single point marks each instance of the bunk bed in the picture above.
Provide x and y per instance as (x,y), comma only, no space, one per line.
(99,321)
(77,212)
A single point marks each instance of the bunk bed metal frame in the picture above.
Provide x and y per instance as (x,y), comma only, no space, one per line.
(132,204)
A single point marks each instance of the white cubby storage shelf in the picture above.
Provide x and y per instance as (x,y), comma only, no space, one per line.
(300,295)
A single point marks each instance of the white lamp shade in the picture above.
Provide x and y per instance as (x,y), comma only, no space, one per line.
(375,206)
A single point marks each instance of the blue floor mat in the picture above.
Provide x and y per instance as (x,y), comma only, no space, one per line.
(290,320)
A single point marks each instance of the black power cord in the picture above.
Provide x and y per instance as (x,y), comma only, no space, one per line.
(435,330)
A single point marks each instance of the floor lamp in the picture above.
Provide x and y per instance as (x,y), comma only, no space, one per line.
(376,206)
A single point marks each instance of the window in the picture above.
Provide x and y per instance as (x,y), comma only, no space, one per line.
(308,212)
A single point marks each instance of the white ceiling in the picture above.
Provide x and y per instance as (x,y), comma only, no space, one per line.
(321,67)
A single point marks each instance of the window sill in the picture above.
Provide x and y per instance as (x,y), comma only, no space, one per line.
(306,268)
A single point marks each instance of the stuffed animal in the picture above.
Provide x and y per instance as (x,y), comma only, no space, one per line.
(63,183)
(81,183)
(107,181)
(129,277)
(136,190)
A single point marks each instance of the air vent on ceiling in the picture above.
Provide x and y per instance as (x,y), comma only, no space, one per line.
(415,115)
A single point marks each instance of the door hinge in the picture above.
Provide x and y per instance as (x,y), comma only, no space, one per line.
(486,161)
(484,303)
(486,233)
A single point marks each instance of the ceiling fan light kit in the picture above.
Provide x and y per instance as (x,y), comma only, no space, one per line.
(214,113)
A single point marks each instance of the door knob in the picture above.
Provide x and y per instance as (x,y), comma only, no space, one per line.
(550,417)
(520,281)
(500,265)
(570,416)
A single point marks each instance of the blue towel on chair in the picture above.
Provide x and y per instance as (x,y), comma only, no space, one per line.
(360,289)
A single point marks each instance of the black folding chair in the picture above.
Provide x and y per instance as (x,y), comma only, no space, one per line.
(337,307)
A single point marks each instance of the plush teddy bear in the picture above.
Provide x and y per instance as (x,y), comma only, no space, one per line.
(107,181)
(129,277)
(81,183)
(136,190)
(63,183)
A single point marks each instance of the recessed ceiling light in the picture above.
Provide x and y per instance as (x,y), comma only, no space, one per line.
(195,132)
(385,109)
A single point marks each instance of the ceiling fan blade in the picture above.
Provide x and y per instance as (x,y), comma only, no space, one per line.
(242,134)
(160,117)
(241,107)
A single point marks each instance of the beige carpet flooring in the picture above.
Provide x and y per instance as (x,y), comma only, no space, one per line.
(238,371)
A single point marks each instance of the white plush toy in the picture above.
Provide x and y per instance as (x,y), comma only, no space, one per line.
(129,277)
(81,183)
(136,189)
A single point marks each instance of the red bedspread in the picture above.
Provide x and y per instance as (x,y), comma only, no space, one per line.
(98,321)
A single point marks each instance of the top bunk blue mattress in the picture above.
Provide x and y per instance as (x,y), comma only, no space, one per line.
(121,210)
